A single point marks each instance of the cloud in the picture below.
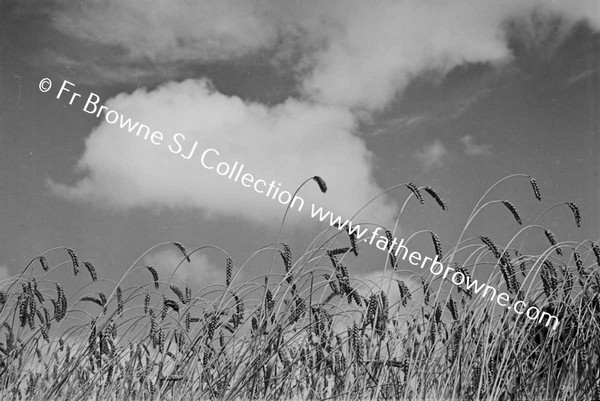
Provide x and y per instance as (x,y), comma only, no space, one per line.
(287,143)
(349,53)
(350,59)
(377,48)
(583,75)
(182,30)
(432,155)
(200,271)
(4,272)
(472,149)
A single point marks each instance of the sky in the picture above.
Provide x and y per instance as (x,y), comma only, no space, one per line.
(367,95)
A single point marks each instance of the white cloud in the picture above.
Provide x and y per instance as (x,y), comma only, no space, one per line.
(473,149)
(356,54)
(432,155)
(199,272)
(4,272)
(288,143)
(350,57)
(181,30)
(377,47)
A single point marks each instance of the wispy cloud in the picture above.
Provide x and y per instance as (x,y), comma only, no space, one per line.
(400,124)
(582,75)
(346,52)
(432,155)
(179,30)
(473,149)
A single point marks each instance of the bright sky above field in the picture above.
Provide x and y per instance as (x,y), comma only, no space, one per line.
(366,95)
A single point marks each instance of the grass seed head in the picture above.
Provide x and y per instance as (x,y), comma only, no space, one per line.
(437,245)
(426,292)
(74,260)
(579,264)
(154,275)
(490,244)
(338,251)
(44,332)
(552,239)
(269,302)
(371,310)
(44,263)
(177,291)
(353,241)
(89,298)
(188,295)
(413,188)
(321,183)
(179,246)
(91,270)
(432,331)
(576,213)
(436,197)
(286,255)
(451,304)
(102,298)
(549,280)
(228,270)
(596,250)
(438,313)
(405,294)
(119,301)
(508,272)
(568,281)
(536,188)
(146,302)
(513,211)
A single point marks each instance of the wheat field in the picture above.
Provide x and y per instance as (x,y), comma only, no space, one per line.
(306,331)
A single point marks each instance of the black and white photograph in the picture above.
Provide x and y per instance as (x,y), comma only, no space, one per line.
(300,200)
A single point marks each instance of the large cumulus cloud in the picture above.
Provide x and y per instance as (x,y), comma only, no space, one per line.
(288,143)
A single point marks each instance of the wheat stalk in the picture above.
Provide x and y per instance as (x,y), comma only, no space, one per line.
(91,270)
(405,294)
(576,213)
(154,275)
(413,188)
(436,197)
(536,188)
(552,239)
(596,251)
(179,293)
(437,244)
(228,271)
(490,244)
(119,301)
(321,183)
(44,263)
(391,255)
(74,260)
(513,211)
